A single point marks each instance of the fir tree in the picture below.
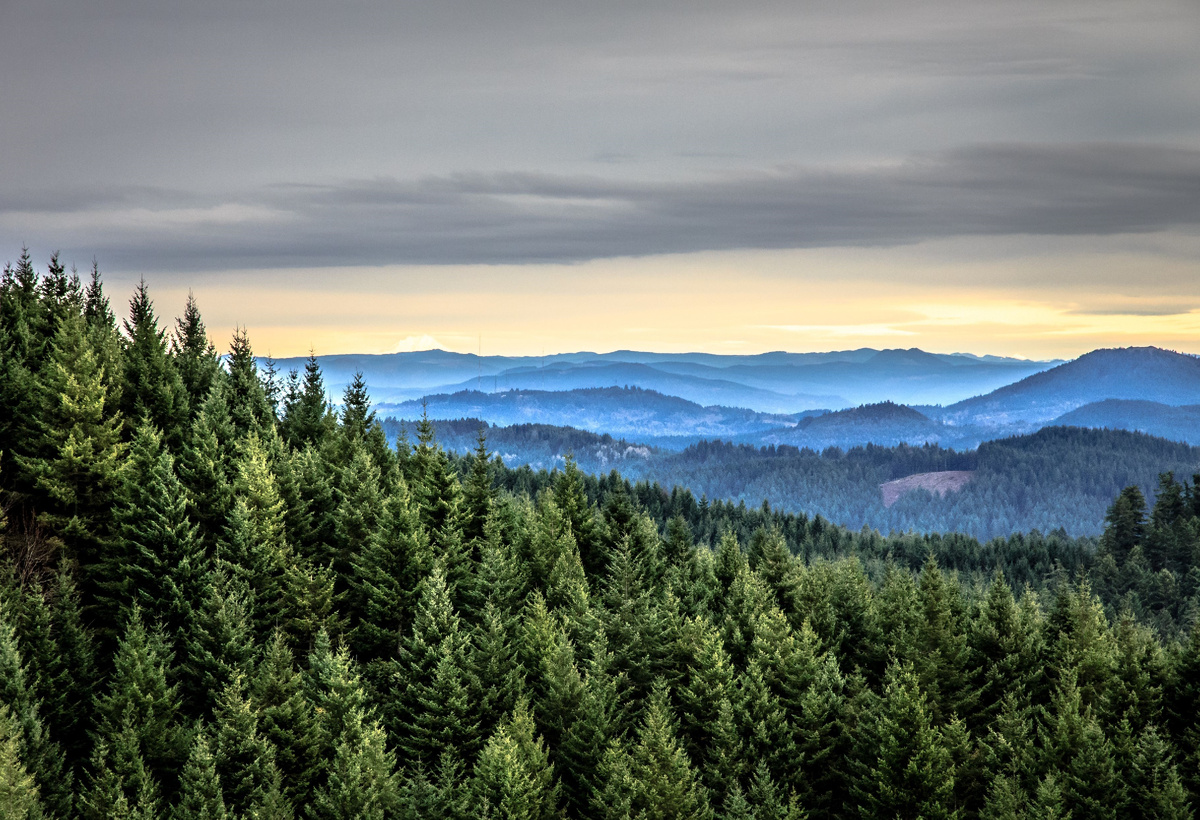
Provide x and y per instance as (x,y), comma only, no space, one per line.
(514,777)
(286,718)
(306,414)
(78,467)
(195,357)
(18,791)
(665,784)
(200,793)
(904,769)
(153,391)
(141,707)
(243,758)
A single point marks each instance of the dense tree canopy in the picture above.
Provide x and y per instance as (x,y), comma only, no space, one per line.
(217,605)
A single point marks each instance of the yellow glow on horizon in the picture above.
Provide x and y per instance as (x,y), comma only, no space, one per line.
(1049,305)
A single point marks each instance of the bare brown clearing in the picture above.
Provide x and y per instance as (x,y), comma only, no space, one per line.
(939,482)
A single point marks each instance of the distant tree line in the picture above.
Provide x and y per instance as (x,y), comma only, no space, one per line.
(219,598)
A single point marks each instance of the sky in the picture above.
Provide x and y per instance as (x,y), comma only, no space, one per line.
(523,176)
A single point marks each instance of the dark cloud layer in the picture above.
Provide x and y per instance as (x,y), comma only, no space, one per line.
(989,190)
(295,133)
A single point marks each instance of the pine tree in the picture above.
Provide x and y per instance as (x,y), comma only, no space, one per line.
(140,702)
(242,757)
(153,391)
(514,777)
(903,767)
(195,357)
(18,791)
(200,793)
(120,784)
(287,718)
(665,784)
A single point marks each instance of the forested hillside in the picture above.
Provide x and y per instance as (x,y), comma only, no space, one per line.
(218,599)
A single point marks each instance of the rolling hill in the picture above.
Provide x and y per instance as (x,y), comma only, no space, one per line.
(768,383)
(642,415)
(1131,373)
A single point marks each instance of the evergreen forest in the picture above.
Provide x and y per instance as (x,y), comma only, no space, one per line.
(220,598)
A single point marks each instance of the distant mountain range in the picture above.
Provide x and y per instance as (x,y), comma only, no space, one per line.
(1131,373)
(642,415)
(1141,389)
(767,383)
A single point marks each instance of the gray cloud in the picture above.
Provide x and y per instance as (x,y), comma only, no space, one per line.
(988,190)
(298,133)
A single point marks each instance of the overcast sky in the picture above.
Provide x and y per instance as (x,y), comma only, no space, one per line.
(1007,177)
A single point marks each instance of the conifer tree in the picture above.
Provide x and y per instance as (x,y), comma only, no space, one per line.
(903,767)
(120,784)
(18,791)
(249,410)
(159,560)
(579,756)
(1155,790)
(76,471)
(359,510)
(152,391)
(206,469)
(514,777)
(242,757)
(361,781)
(617,789)
(200,793)
(477,498)
(219,644)
(74,676)
(38,751)
(386,575)
(940,658)
(141,707)
(571,499)
(664,782)
(287,718)
(306,415)
(195,357)
(434,708)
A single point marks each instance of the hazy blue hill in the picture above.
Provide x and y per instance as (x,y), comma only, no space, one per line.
(904,376)
(1055,478)
(1134,373)
(1175,423)
(707,389)
(643,415)
(885,423)
(541,446)
(769,382)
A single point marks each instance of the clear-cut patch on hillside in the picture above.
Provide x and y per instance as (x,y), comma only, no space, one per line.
(940,482)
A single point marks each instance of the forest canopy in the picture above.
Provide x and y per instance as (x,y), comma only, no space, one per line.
(221,598)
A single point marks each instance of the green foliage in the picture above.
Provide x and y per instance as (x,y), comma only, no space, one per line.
(484,641)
